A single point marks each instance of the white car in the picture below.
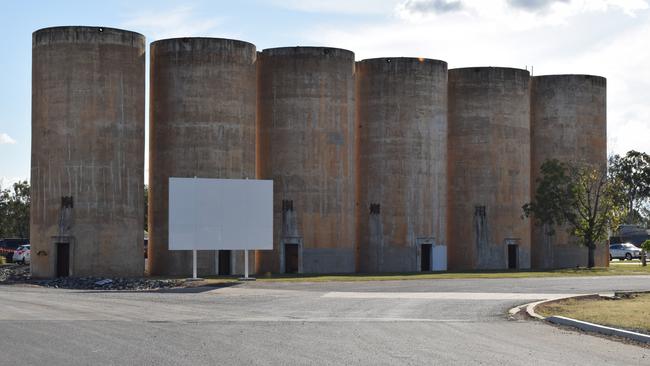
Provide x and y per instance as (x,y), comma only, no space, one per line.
(624,251)
(22,254)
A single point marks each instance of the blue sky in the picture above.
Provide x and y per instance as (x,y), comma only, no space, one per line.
(603,37)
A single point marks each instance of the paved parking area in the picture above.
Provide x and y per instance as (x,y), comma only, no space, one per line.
(365,323)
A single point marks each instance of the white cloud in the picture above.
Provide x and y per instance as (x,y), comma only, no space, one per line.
(182,21)
(629,7)
(418,8)
(514,14)
(6,139)
(534,5)
(338,6)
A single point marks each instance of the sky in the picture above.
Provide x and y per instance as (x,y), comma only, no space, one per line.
(610,38)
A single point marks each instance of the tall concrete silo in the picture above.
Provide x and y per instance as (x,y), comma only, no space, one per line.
(489,168)
(568,123)
(402,169)
(87,171)
(202,124)
(306,145)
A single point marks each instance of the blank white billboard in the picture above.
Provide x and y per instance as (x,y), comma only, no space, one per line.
(220,214)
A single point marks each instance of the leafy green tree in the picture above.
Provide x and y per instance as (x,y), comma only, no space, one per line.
(584,199)
(633,172)
(14,211)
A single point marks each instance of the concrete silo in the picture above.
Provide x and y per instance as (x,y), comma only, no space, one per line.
(87,152)
(306,145)
(202,123)
(402,166)
(489,168)
(568,123)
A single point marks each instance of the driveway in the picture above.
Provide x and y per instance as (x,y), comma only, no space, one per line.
(365,323)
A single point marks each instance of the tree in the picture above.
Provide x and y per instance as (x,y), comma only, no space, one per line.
(645,246)
(633,172)
(14,211)
(584,198)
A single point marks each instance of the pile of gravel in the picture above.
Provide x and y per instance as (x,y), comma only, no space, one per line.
(101,283)
(12,274)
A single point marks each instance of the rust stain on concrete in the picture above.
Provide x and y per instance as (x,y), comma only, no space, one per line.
(88,144)
(202,123)
(402,154)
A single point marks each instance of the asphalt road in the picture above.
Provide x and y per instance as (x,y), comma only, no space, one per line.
(432,322)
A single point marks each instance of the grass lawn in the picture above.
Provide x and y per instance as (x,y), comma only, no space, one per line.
(614,269)
(632,314)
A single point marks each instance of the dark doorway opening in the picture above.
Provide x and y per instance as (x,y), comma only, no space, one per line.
(513,250)
(291,258)
(224,263)
(62,259)
(425,258)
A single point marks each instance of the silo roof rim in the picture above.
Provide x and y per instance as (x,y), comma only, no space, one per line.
(89,27)
(424,59)
(307,47)
(202,38)
(489,67)
(569,75)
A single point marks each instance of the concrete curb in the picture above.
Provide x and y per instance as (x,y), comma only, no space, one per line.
(582,325)
(590,327)
(530,307)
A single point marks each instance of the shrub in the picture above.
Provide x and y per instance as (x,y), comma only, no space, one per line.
(646,246)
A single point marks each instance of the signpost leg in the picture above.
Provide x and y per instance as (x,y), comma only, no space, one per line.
(216,262)
(246,278)
(246,264)
(194,264)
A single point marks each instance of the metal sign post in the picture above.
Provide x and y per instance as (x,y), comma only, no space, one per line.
(194,265)
(246,278)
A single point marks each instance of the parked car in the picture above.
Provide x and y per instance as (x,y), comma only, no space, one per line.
(22,254)
(624,251)
(8,246)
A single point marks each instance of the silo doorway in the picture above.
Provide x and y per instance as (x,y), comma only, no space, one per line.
(425,257)
(224,263)
(291,258)
(62,259)
(513,250)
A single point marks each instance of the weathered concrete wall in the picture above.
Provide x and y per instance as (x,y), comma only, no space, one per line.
(402,170)
(569,255)
(568,123)
(88,144)
(306,145)
(489,167)
(202,123)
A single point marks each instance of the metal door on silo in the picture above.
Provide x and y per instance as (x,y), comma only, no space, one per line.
(224,262)
(425,257)
(513,253)
(62,259)
(291,258)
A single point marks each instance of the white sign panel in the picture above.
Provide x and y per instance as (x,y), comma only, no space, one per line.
(220,214)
